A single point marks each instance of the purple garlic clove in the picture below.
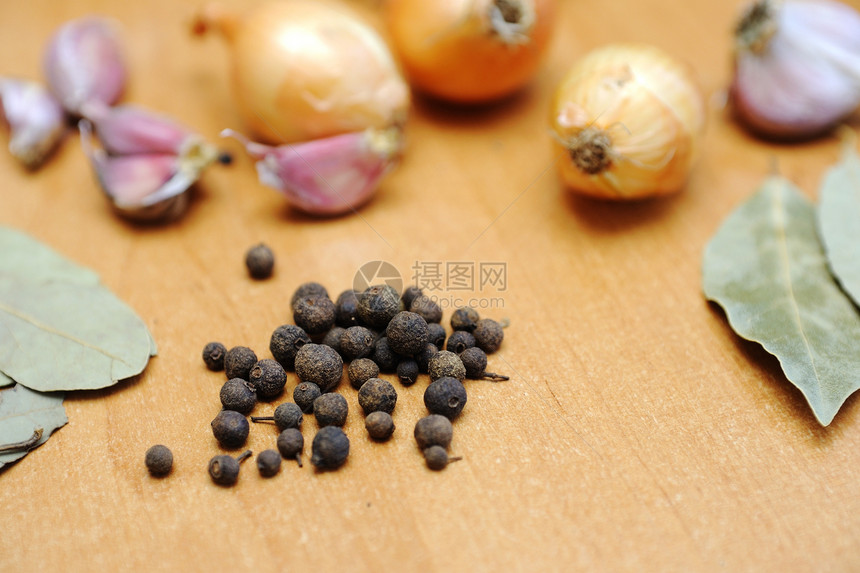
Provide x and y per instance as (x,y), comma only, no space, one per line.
(327,176)
(84,64)
(36,120)
(129,130)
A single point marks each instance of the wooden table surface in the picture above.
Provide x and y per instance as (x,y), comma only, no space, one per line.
(636,432)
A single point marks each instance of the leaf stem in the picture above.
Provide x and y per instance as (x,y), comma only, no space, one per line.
(26,444)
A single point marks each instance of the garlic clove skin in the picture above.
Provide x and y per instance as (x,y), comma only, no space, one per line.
(328,176)
(797,67)
(129,130)
(84,65)
(36,120)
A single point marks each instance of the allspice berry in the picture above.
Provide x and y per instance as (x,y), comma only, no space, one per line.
(423,357)
(446,363)
(407,333)
(384,356)
(230,428)
(433,430)
(260,261)
(287,415)
(285,343)
(290,444)
(437,458)
(307,289)
(224,470)
(331,409)
(356,342)
(465,318)
(314,314)
(159,460)
(427,308)
(407,372)
(330,448)
(346,309)
(238,362)
(360,371)
(379,425)
(377,305)
(377,394)
(268,463)
(304,395)
(409,294)
(238,395)
(475,361)
(332,338)
(460,341)
(268,378)
(445,396)
(319,364)
(488,335)
(436,335)
(213,356)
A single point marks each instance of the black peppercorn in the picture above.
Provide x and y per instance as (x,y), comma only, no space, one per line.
(377,394)
(268,463)
(407,371)
(410,294)
(304,395)
(230,428)
(332,338)
(319,364)
(331,409)
(407,333)
(377,305)
(356,342)
(437,458)
(488,335)
(268,378)
(159,460)
(260,261)
(436,335)
(213,356)
(460,341)
(445,396)
(314,314)
(346,309)
(286,341)
(287,415)
(238,362)
(224,470)
(330,448)
(360,371)
(379,425)
(307,289)
(475,361)
(427,308)
(290,444)
(384,356)
(446,363)
(423,357)
(433,430)
(238,395)
(465,318)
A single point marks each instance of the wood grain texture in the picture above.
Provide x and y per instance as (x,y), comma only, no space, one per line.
(636,432)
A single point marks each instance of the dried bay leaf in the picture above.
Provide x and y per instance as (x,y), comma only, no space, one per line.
(839,220)
(766,268)
(59,328)
(27,419)
(5,380)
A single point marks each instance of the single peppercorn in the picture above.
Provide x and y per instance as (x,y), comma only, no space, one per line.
(287,415)
(230,428)
(437,458)
(238,362)
(488,335)
(331,409)
(346,309)
(224,470)
(407,333)
(411,293)
(360,371)
(377,394)
(356,342)
(475,361)
(377,305)
(290,444)
(260,261)
(436,335)
(268,463)
(213,356)
(423,357)
(427,308)
(238,395)
(379,425)
(304,395)
(445,396)
(446,363)
(465,318)
(307,289)
(158,460)
(407,372)
(384,356)
(460,341)
(314,314)
(268,378)
(330,448)
(285,343)
(433,430)
(332,338)
(319,364)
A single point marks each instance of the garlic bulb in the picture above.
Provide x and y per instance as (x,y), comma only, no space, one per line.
(627,120)
(797,66)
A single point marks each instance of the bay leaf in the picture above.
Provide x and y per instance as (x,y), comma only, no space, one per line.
(765,266)
(839,220)
(24,412)
(59,328)
(5,380)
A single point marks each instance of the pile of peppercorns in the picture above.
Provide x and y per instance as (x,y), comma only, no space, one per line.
(373,331)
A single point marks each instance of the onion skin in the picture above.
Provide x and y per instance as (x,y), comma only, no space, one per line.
(627,121)
(305,69)
(449,50)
